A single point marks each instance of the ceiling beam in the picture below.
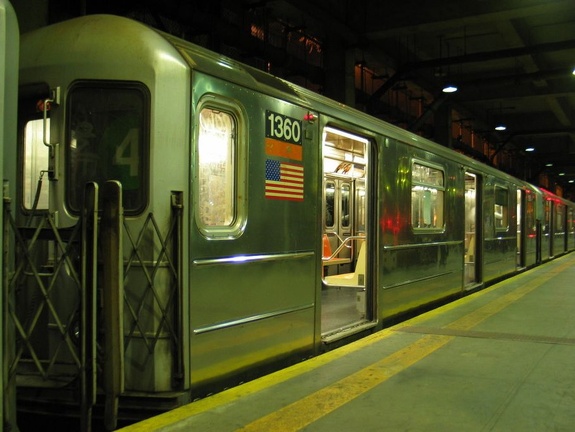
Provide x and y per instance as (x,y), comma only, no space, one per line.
(403,25)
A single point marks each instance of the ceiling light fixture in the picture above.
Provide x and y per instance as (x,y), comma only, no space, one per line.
(449,88)
(530,149)
(500,127)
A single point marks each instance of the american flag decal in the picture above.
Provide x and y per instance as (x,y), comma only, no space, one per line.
(284,181)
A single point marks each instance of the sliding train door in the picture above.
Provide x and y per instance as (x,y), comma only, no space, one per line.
(521,232)
(346,200)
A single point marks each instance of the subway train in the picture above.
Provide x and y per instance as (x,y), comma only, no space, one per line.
(181,222)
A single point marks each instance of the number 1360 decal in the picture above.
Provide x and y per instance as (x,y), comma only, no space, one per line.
(283,128)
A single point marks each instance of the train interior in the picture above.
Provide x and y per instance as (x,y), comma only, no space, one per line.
(345,241)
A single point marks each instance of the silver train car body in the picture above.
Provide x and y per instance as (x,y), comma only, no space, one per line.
(9,52)
(184,222)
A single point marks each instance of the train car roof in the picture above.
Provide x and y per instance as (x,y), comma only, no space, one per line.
(96,47)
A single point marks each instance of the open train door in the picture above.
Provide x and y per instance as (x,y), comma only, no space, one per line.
(473,230)
(347,284)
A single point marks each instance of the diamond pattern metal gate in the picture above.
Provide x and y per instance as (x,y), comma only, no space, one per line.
(49,295)
(56,286)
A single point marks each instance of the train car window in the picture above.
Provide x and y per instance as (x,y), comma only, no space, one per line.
(570,222)
(560,218)
(547,216)
(216,167)
(108,140)
(530,222)
(329,204)
(35,164)
(427,192)
(501,208)
(345,205)
(361,206)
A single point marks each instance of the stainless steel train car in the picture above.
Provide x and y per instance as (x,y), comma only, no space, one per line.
(183,222)
(9,53)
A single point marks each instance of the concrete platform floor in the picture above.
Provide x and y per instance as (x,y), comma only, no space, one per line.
(502,359)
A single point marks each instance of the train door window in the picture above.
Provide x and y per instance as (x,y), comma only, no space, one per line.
(530,222)
(360,206)
(329,204)
(35,164)
(108,124)
(520,228)
(345,205)
(471,228)
(547,216)
(427,193)
(570,228)
(501,208)
(219,182)
(560,219)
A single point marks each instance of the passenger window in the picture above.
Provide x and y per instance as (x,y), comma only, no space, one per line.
(547,216)
(35,165)
(220,181)
(215,167)
(530,222)
(560,218)
(427,192)
(501,208)
(108,140)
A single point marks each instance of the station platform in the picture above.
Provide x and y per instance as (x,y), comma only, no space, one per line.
(500,359)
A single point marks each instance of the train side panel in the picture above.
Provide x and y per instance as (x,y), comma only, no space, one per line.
(529,225)
(9,52)
(421,257)
(499,227)
(253,278)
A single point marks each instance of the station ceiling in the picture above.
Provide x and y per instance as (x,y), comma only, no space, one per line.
(512,60)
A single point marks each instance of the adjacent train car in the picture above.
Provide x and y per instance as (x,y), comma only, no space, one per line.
(9,53)
(184,222)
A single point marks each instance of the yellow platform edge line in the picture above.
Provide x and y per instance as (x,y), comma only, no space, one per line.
(313,407)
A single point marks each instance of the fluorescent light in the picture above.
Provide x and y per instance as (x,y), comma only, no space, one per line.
(500,127)
(530,149)
(449,88)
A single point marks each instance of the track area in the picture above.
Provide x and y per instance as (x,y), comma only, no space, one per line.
(498,360)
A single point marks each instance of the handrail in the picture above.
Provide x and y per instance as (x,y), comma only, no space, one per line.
(342,245)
